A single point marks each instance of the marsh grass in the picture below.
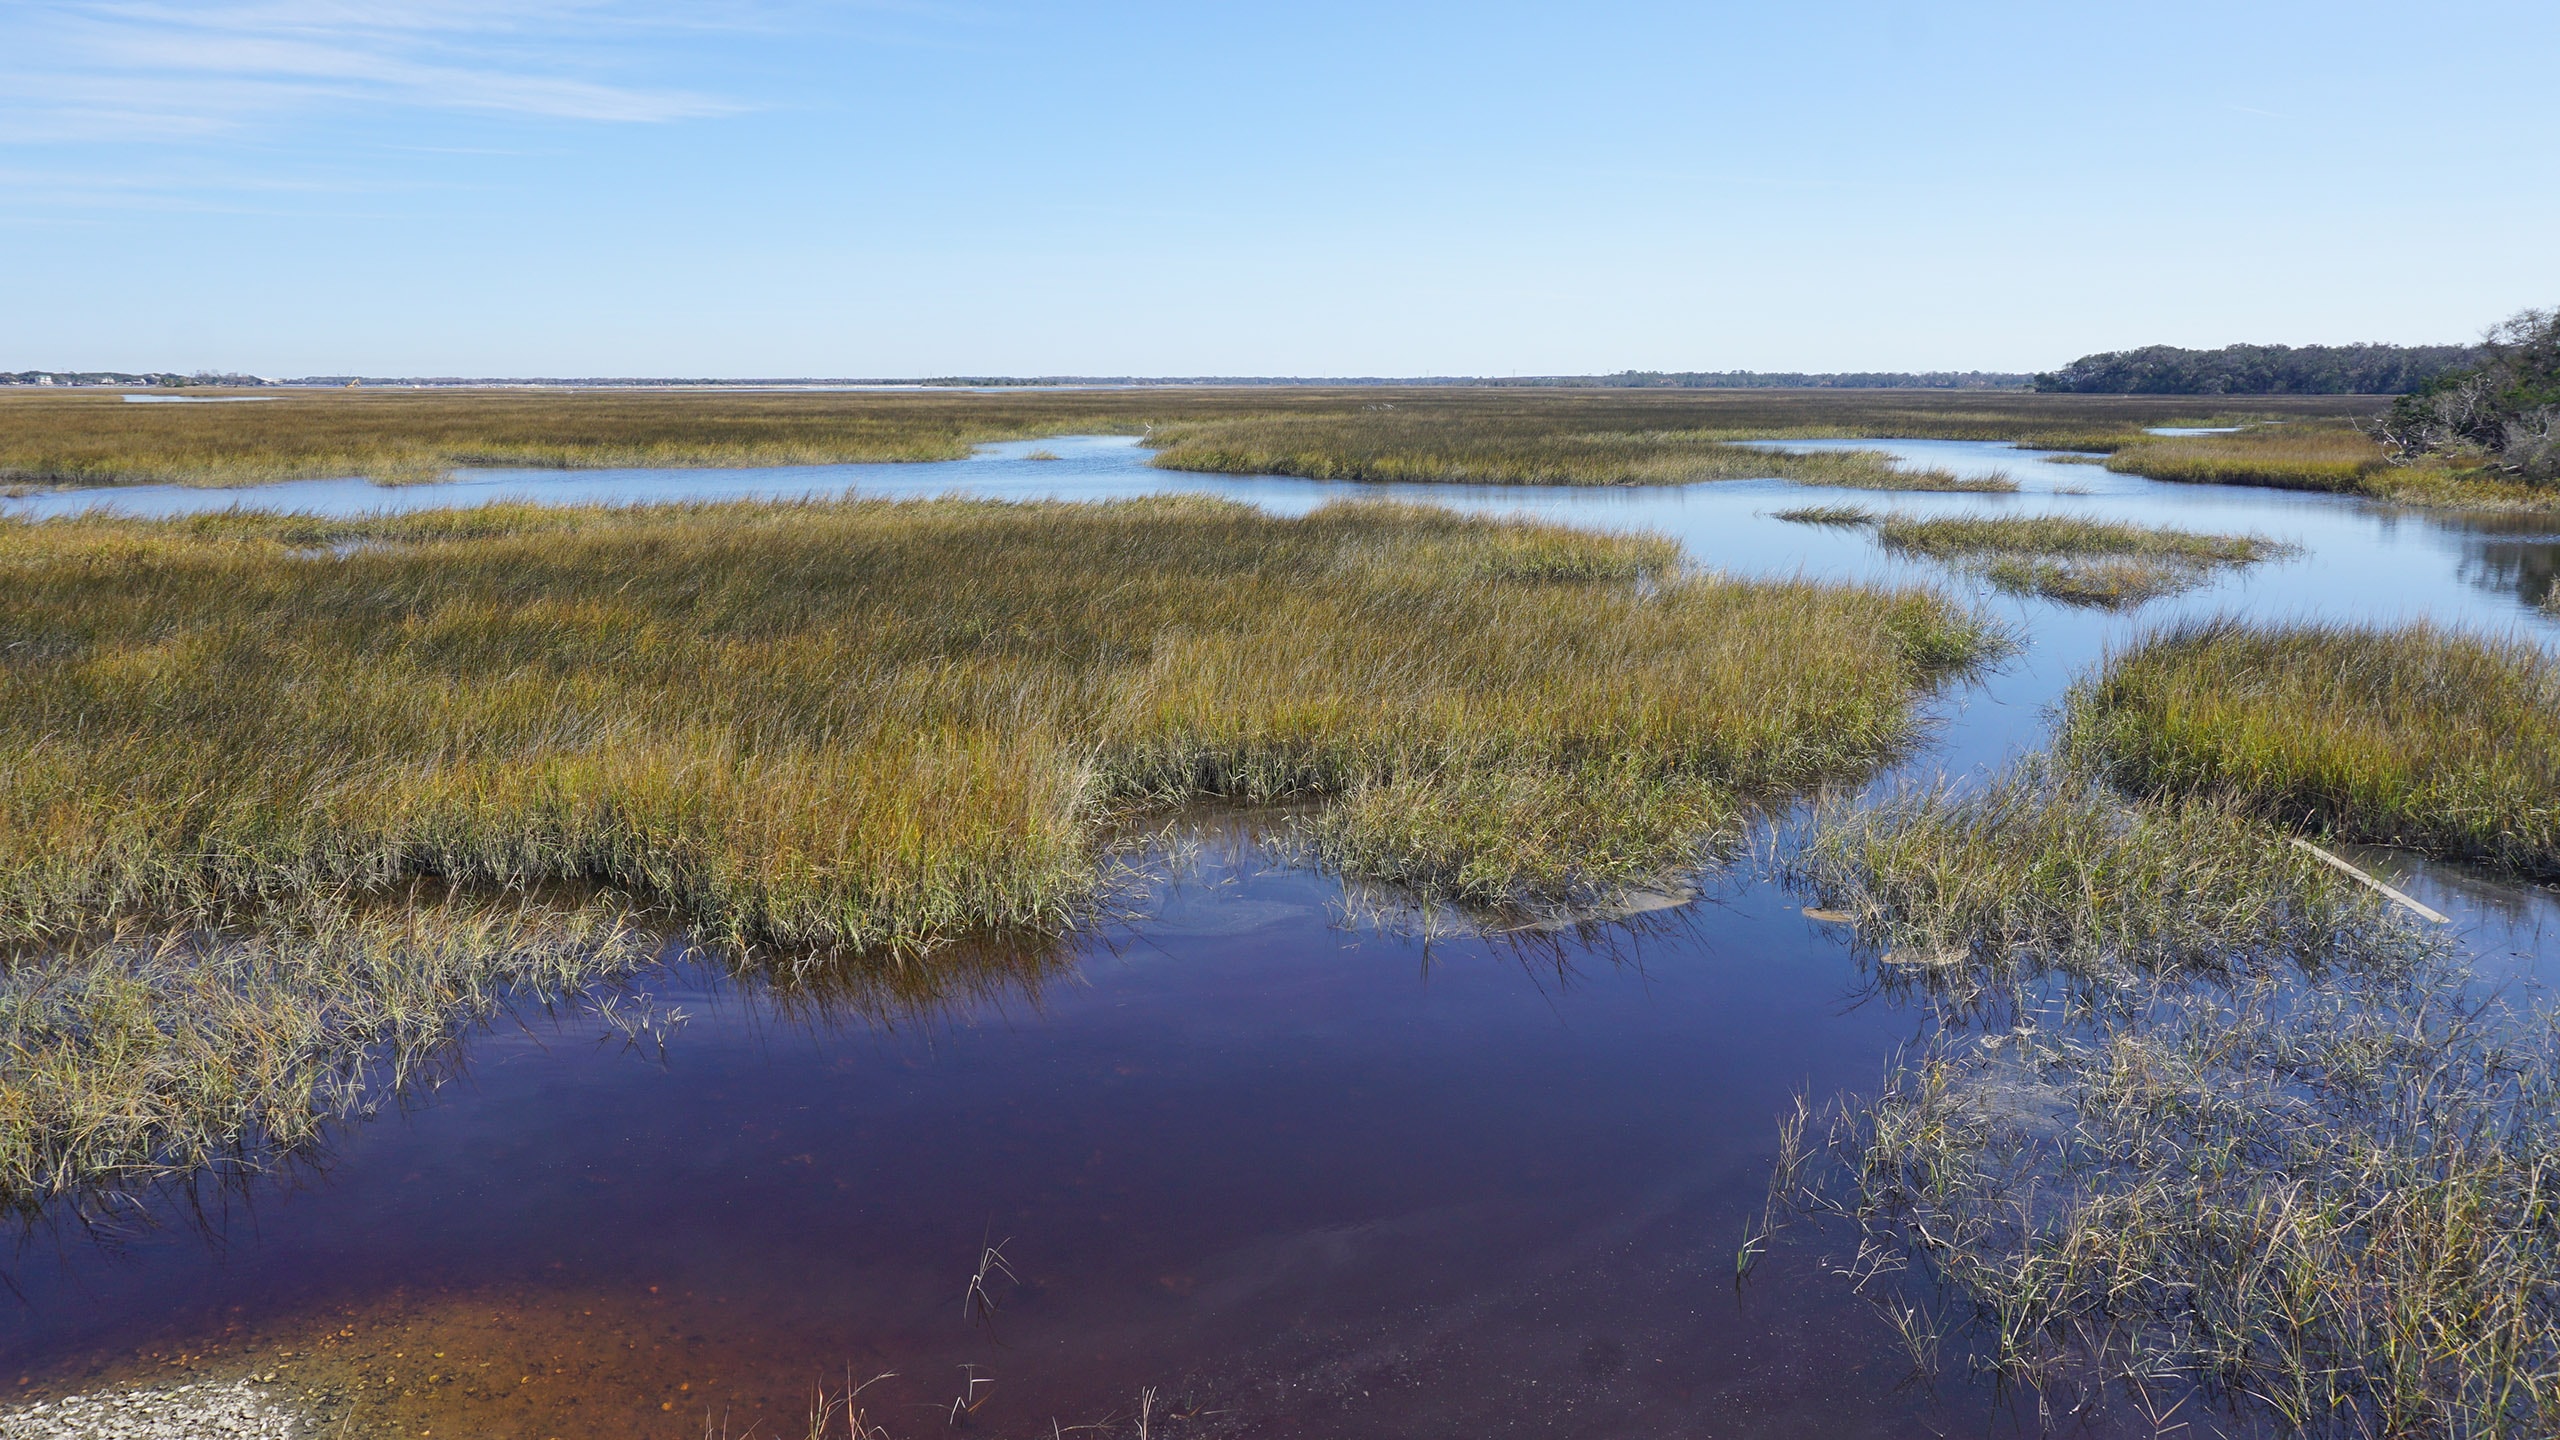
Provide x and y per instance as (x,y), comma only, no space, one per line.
(2334,457)
(1392,432)
(2412,736)
(2103,564)
(2081,562)
(2046,870)
(818,736)
(135,1057)
(1963,536)
(2326,1200)
(1842,516)
(2265,1137)
(2330,456)
(870,724)
(1896,477)
(413,437)
(1526,447)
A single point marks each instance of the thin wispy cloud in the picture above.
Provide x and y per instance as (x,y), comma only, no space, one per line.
(130,69)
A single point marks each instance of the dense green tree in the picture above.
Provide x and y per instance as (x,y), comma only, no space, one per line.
(2503,412)
(2257,370)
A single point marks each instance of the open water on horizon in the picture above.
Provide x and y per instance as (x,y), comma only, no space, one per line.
(1303,1175)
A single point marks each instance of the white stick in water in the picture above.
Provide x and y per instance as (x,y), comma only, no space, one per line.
(2352,871)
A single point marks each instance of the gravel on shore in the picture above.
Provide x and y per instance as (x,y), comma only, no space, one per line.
(237,1410)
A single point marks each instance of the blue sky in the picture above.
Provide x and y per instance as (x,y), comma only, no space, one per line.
(784,187)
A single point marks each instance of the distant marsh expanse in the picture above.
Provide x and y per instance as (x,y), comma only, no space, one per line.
(1367,433)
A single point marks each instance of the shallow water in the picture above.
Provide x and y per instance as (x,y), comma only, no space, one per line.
(1304,1175)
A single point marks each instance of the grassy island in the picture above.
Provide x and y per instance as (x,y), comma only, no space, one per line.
(2109,564)
(812,728)
(2328,456)
(2419,737)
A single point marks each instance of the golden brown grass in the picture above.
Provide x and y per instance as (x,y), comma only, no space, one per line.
(2415,736)
(1529,446)
(92,439)
(2333,457)
(2044,869)
(2329,456)
(2271,1140)
(142,1056)
(285,793)
(233,748)
(2107,564)
(859,724)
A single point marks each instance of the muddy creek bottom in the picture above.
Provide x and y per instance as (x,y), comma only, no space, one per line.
(1293,1177)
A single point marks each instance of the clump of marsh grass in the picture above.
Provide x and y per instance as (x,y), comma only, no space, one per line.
(2269,1140)
(2107,564)
(2412,736)
(1842,516)
(1895,477)
(2330,1198)
(1488,837)
(2327,455)
(2045,868)
(2105,583)
(2336,457)
(139,1056)
(1531,448)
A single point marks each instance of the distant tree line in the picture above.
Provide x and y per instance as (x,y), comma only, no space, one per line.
(2502,412)
(165,378)
(2259,370)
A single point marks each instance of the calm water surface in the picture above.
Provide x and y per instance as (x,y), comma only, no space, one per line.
(1300,1174)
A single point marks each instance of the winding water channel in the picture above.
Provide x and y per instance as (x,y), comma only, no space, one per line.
(1301,1174)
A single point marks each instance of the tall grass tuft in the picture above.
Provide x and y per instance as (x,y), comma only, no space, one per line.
(2412,736)
(1846,517)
